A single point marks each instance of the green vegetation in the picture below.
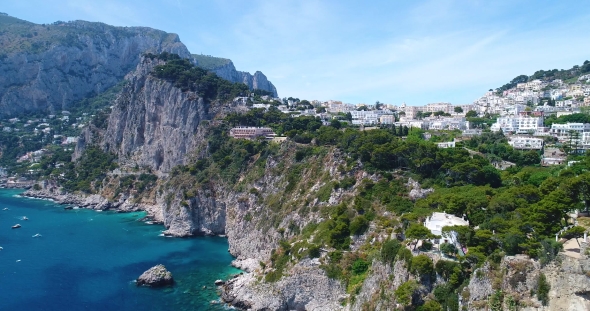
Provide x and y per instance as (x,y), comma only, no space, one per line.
(88,170)
(422,265)
(405,292)
(543,288)
(495,146)
(188,77)
(574,118)
(210,62)
(389,250)
(547,75)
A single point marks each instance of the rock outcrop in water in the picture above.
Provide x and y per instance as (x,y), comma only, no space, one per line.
(156,276)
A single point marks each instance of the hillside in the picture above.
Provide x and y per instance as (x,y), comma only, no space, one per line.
(567,75)
(332,218)
(209,62)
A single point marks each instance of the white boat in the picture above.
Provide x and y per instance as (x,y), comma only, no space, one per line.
(16,226)
(37,235)
(25,218)
(5,209)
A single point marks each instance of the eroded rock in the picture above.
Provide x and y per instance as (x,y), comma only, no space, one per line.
(156,276)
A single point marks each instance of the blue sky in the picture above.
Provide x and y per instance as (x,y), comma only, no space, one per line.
(391,51)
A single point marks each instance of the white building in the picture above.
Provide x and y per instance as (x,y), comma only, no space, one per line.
(387,119)
(450,144)
(528,143)
(372,117)
(563,131)
(412,123)
(437,221)
(518,124)
(448,124)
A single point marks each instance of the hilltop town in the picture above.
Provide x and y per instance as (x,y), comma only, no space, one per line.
(530,111)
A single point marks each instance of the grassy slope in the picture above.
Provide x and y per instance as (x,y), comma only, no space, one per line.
(210,62)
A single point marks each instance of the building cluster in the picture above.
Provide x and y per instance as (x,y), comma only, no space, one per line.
(566,97)
(520,112)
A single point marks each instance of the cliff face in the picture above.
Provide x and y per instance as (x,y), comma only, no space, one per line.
(257,81)
(49,67)
(517,278)
(155,126)
(153,123)
(53,66)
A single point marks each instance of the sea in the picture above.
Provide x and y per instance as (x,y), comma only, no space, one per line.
(88,260)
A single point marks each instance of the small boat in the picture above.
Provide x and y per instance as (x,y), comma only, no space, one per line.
(16,226)
(5,209)
(1,248)
(37,235)
(25,218)
(68,207)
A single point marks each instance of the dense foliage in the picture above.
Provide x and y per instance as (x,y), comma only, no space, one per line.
(563,74)
(189,77)
(496,147)
(574,118)
(88,170)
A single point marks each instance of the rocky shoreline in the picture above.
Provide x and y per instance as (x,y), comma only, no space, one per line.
(94,201)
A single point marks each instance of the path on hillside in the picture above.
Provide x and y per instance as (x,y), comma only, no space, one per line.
(572,248)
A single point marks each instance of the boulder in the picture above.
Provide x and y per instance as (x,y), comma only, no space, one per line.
(156,276)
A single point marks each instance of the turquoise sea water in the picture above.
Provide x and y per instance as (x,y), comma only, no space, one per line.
(88,260)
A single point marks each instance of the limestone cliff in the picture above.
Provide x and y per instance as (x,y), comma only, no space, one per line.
(152,122)
(517,279)
(52,66)
(49,67)
(256,81)
(225,68)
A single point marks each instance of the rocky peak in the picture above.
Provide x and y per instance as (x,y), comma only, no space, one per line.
(50,67)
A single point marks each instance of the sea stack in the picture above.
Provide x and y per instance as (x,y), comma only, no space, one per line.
(156,276)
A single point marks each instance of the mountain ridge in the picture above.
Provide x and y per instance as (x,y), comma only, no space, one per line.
(48,67)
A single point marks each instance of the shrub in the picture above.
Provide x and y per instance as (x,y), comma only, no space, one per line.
(448,249)
(333,271)
(389,250)
(445,268)
(273,276)
(347,182)
(324,192)
(422,265)
(426,246)
(359,266)
(359,225)
(430,305)
(405,255)
(404,293)
(314,251)
(543,288)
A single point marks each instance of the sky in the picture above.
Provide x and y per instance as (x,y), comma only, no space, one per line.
(416,52)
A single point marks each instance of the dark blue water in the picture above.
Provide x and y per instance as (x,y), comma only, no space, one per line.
(87,260)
